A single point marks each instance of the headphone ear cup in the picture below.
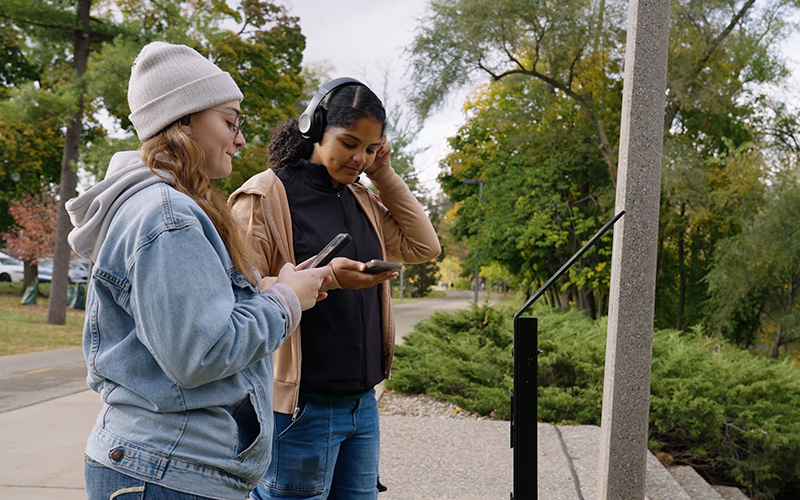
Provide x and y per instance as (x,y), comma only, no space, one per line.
(304,123)
(312,122)
(318,125)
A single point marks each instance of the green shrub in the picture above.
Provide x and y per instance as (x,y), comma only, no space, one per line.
(463,358)
(732,415)
(728,413)
(569,372)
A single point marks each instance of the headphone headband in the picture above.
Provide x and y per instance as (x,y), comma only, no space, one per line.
(312,121)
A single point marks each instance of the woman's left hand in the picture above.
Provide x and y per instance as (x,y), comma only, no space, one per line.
(383,157)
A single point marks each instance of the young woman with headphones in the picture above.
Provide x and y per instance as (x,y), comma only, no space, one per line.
(326,442)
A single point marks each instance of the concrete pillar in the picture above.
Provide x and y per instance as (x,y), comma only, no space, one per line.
(626,390)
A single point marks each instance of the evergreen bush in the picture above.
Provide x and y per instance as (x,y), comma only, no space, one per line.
(463,358)
(732,415)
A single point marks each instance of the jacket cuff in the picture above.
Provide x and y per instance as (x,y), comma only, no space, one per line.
(290,303)
(385,179)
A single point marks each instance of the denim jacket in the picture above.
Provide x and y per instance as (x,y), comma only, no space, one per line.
(177,342)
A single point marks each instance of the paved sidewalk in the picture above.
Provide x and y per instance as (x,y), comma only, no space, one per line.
(42,448)
(422,458)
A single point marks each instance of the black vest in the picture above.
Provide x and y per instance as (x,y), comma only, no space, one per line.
(341,337)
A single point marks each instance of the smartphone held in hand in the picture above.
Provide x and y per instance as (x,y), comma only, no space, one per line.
(330,251)
(376,266)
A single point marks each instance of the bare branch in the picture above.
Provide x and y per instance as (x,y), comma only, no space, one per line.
(702,62)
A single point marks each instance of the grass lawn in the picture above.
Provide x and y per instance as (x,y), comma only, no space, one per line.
(25,329)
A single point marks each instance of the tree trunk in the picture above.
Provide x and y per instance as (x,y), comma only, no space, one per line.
(775,348)
(564,299)
(31,275)
(588,304)
(601,304)
(57,307)
(681,271)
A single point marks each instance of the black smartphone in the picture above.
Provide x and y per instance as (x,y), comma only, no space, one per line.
(376,266)
(330,251)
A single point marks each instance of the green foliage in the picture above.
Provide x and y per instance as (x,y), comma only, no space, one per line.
(263,55)
(463,358)
(721,55)
(754,281)
(728,413)
(546,189)
(570,369)
(31,142)
(559,38)
(420,278)
(14,67)
(705,199)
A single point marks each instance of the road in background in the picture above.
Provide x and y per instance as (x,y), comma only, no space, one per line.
(408,314)
(32,378)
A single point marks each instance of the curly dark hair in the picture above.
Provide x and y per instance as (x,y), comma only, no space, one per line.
(343,108)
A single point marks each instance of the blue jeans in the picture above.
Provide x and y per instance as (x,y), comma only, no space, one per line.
(103,483)
(329,452)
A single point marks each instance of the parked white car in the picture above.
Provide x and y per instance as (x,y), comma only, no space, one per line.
(78,271)
(11,269)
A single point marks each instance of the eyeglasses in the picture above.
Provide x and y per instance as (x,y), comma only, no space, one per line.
(239,120)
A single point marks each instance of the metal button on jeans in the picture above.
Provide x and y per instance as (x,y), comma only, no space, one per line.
(116,454)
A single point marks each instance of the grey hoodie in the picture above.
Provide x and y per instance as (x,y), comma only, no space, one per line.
(91,212)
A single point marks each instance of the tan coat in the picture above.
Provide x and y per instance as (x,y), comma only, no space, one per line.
(404,231)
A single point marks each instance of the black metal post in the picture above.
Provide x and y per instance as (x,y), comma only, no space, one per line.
(523,408)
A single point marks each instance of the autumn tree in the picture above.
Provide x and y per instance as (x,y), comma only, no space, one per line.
(31,137)
(34,233)
(84,55)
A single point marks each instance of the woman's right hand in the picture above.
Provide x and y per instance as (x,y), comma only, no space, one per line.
(350,274)
(305,283)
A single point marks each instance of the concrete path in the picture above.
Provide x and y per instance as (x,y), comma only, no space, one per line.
(42,448)
(46,414)
(421,458)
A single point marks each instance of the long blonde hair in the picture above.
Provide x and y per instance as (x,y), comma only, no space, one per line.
(174,151)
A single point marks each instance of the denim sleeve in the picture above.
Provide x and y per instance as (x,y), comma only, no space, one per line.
(187,313)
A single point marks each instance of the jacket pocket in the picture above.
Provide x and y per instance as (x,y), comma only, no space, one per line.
(245,413)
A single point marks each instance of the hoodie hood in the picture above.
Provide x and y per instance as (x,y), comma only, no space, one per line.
(92,212)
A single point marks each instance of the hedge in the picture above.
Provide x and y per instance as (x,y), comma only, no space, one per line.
(732,415)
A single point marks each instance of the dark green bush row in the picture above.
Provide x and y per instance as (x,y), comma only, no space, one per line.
(463,358)
(733,416)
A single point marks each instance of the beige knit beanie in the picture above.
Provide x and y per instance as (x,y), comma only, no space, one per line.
(169,82)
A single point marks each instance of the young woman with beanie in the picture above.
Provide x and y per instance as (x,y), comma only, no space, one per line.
(179,333)
(326,436)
